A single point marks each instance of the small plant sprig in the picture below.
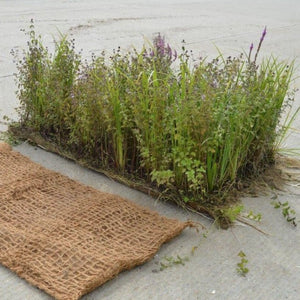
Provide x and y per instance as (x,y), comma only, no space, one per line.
(231,213)
(242,265)
(8,138)
(287,211)
(170,261)
(255,217)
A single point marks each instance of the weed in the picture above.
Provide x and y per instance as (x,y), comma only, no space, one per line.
(170,261)
(7,136)
(194,248)
(205,235)
(242,265)
(231,213)
(288,213)
(9,139)
(255,217)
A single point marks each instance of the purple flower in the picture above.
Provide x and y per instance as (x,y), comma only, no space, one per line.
(162,50)
(169,51)
(159,43)
(263,34)
(251,47)
(260,43)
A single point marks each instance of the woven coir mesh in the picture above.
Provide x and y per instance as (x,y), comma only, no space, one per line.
(67,238)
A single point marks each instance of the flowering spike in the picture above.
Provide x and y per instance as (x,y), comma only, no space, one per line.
(169,51)
(250,51)
(159,43)
(263,33)
(260,42)
(175,54)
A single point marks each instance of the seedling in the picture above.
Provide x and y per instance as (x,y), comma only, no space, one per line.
(9,138)
(255,217)
(170,261)
(287,211)
(232,212)
(242,265)
(194,248)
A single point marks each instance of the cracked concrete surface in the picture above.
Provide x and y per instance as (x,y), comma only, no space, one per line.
(210,273)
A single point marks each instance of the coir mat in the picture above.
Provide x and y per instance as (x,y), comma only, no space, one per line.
(67,238)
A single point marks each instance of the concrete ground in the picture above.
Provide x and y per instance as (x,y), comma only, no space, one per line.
(210,272)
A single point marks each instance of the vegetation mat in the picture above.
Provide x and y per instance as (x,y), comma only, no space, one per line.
(67,238)
(187,129)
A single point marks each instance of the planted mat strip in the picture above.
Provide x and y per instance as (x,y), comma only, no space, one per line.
(67,238)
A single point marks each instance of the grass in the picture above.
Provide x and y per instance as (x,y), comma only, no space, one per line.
(189,129)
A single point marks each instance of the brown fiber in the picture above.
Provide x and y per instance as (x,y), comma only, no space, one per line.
(67,238)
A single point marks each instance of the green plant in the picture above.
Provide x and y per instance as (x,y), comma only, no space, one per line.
(205,234)
(255,217)
(45,84)
(232,212)
(170,261)
(8,138)
(189,128)
(288,213)
(194,248)
(242,265)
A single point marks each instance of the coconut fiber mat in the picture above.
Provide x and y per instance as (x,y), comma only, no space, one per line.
(67,238)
